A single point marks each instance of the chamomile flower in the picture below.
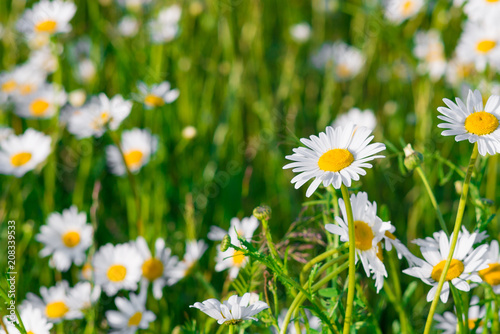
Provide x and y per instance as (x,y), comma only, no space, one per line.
(391,241)
(137,145)
(300,32)
(117,267)
(457,71)
(55,303)
(448,321)
(157,95)
(99,113)
(465,264)
(231,311)
(21,81)
(429,49)
(473,122)
(194,251)
(20,154)
(231,258)
(346,61)
(128,26)
(47,17)
(165,27)
(491,275)
(131,315)
(398,11)
(43,59)
(43,103)
(134,4)
(483,11)
(369,231)
(83,296)
(357,116)
(66,237)
(33,319)
(479,44)
(156,269)
(333,158)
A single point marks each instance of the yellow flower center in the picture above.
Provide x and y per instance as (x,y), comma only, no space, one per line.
(116,273)
(456,269)
(135,320)
(238,258)
(485,46)
(20,159)
(38,107)
(152,269)
(46,26)
(481,123)
(56,310)
(343,71)
(26,89)
(30,332)
(152,100)
(335,160)
(491,275)
(363,235)
(407,7)
(133,158)
(71,239)
(9,86)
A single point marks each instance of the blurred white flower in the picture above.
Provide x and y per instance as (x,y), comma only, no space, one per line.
(491,275)
(33,320)
(479,44)
(43,59)
(448,321)
(128,26)
(346,61)
(77,97)
(5,132)
(457,71)
(189,132)
(165,27)
(47,17)
(43,103)
(357,116)
(483,11)
(429,49)
(83,296)
(399,10)
(300,32)
(131,315)
(134,4)
(157,95)
(86,70)
(194,251)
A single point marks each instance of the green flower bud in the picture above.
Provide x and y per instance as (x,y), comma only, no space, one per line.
(413,158)
(262,212)
(226,242)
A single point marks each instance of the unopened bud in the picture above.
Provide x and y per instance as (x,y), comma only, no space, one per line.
(226,242)
(413,158)
(262,212)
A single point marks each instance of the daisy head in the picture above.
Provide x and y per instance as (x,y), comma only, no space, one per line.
(491,275)
(335,157)
(83,296)
(33,319)
(346,61)
(165,27)
(300,32)
(43,103)
(55,303)
(398,11)
(473,121)
(357,116)
(194,251)
(117,267)
(20,154)
(448,321)
(479,44)
(369,232)
(232,311)
(429,49)
(156,269)
(465,264)
(137,146)
(47,17)
(131,314)
(482,10)
(66,237)
(157,95)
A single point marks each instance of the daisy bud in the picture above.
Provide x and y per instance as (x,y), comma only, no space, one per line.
(413,159)
(226,242)
(262,212)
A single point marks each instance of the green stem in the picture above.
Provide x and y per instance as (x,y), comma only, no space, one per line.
(456,230)
(433,199)
(352,262)
(231,329)
(459,309)
(270,244)
(317,259)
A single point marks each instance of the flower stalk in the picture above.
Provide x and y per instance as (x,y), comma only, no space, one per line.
(352,262)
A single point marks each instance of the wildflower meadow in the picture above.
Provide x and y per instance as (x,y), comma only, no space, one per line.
(249,166)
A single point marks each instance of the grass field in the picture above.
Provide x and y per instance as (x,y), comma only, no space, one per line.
(249,89)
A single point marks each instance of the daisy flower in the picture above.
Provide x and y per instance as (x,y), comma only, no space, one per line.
(66,237)
(131,315)
(194,251)
(398,11)
(231,311)
(99,113)
(43,59)
(157,95)
(479,44)
(117,267)
(457,70)
(465,264)
(491,275)
(20,154)
(128,26)
(473,122)
(156,269)
(333,158)
(448,321)
(482,10)
(357,116)
(300,32)
(47,17)
(43,103)
(369,231)
(346,60)
(33,319)
(137,146)
(429,49)
(134,4)
(231,258)
(55,304)
(83,296)
(165,27)
(21,81)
